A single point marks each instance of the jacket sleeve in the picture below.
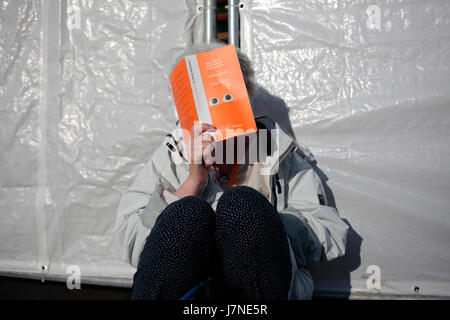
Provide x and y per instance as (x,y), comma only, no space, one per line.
(329,233)
(139,207)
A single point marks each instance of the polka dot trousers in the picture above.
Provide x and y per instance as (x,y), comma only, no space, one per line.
(242,247)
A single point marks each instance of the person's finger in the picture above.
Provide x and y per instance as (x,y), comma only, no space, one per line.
(205,144)
(208,156)
(199,128)
(207,137)
(207,127)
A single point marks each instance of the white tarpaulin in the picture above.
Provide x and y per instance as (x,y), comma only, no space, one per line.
(84,99)
(367,87)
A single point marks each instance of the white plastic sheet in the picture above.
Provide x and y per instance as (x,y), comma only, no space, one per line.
(83,107)
(366,84)
(85,100)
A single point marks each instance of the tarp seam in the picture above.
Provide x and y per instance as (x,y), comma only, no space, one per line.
(43,259)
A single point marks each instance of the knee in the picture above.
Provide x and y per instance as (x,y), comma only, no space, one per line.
(192,210)
(239,196)
(240,193)
(242,203)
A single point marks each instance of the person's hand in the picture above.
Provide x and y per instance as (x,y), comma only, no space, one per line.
(200,148)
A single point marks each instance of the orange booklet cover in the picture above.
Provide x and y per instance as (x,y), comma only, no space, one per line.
(209,87)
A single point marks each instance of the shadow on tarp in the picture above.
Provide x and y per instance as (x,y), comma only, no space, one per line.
(333,276)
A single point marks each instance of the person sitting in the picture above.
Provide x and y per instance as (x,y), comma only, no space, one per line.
(188,224)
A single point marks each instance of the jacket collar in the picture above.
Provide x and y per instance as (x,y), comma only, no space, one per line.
(285,141)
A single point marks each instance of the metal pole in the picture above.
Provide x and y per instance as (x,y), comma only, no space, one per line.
(209,21)
(233,23)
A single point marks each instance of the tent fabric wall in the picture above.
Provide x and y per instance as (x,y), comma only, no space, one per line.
(84,107)
(367,87)
(85,100)
(19,133)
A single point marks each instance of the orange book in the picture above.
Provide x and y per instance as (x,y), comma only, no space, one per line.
(209,87)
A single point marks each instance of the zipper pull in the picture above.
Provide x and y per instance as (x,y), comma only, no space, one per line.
(278,184)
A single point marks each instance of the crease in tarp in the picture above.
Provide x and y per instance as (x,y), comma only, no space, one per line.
(43,258)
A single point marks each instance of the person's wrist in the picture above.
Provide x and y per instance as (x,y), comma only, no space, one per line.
(196,178)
